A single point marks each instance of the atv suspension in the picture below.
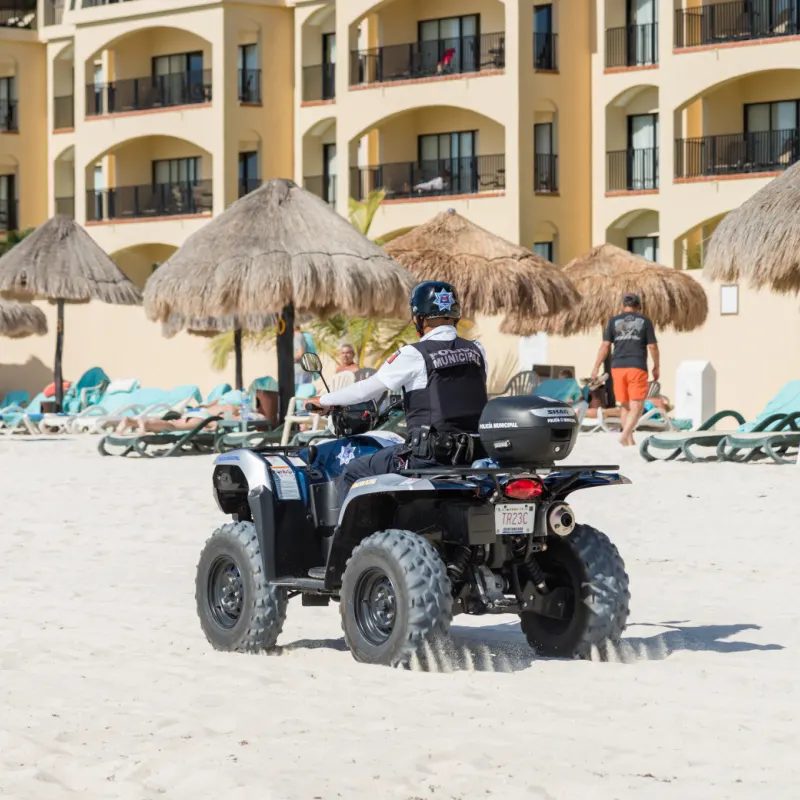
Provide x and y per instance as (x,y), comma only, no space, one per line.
(535,571)
(455,569)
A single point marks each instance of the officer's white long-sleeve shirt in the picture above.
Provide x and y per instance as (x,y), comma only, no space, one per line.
(405,369)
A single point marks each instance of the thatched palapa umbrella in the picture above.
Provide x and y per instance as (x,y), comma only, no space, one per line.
(760,241)
(18,320)
(279,249)
(492,275)
(60,262)
(211,326)
(670,297)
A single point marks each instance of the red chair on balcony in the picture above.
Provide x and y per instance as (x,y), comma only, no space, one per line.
(447,60)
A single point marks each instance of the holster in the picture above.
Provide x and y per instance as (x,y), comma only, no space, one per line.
(444,448)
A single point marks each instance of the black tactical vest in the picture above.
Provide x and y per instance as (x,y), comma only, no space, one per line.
(455,395)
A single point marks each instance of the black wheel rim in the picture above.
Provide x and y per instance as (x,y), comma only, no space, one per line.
(225,592)
(375,605)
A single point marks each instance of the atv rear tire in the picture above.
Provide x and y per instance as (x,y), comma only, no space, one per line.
(590,565)
(395,598)
(238,609)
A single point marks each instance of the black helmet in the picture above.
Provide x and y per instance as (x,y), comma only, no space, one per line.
(435,299)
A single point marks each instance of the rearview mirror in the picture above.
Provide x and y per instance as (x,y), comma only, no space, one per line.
(311,362)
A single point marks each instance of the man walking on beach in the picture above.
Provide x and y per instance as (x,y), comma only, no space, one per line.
(632,335)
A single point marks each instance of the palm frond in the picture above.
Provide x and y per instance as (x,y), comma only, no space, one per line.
(362,212)
(388,237)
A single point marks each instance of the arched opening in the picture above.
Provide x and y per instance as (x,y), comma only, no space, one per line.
(319,160)
(150,68)
(434,151)
(743,126)
(250,162)
(632,141)
(318,56)
(545,241)
(64,180)
(64,89)
(637,232)
(388,44)
(691,246)
(140,262)
(545,147)
(149,177)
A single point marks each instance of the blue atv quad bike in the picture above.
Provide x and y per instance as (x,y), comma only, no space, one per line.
(408,551)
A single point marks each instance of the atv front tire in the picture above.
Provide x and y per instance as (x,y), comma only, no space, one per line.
(590,566)
(395,598)
(238,609)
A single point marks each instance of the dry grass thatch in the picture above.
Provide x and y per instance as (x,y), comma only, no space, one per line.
(759,242)
(276,246)
(211,326)
(670,297)
(492,276)
(18,320)
(60,261)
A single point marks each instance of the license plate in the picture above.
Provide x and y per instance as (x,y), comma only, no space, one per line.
(514,518)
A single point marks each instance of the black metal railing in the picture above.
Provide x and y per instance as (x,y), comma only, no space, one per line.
(736,153)
(21,14)
(66,206)
(249,85)
(248,185)
(545,51)
(154,91)
(545,173)
(735,22)
(9,119)
(632,46)
(64,112)
(437,178)
(323,186)
(154,200)
(95,3)
(399,62)
(54,11)
(633,170)
(319,83)
(8,215)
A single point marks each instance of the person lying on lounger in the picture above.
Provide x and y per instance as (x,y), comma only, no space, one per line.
(184,423)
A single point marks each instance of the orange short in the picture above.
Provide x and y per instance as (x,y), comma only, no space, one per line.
(629,384)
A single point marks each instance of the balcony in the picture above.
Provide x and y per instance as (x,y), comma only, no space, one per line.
(248,185)
(632,170)
(449,177)
(736,154)
(8,215)
(545,53)
(21,14)
(545,173)
(54,12)
(745,20)
(632,46)
(64,112)
(249,86)
(65,206)
(151,92)
(9,120)
(428,59)
(323,186)
(95,3)
(319,83)
(149,201)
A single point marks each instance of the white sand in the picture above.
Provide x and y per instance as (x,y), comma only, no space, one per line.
(108,688)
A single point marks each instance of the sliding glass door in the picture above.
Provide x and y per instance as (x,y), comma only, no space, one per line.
(449,44)
(451,157)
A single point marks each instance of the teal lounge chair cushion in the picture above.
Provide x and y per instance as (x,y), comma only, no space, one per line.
(181,393)
(87,391)
(15,398)
(787,401)
(217,392)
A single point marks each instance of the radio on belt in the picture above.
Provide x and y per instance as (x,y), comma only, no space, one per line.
(526,430)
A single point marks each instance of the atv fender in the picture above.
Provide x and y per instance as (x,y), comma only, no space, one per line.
(563,484)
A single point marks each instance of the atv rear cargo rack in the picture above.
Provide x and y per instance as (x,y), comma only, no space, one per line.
(550,468)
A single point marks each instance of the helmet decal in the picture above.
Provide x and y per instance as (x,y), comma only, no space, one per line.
(443,300)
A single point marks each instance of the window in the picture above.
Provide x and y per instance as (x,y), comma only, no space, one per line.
(328,66)
(642,155)
(772,132)
(543,250)
(248,173)
(177,171)
(8,206)
(642,24)
(451,39)
(451,157)
(180,77)
(249,74)
(543,40)
(329,170)
(8,105)
(644,246)
(544,178)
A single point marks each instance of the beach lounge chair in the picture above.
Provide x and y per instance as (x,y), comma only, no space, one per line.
(779,445)
(521,383)
(195,441)
(87,391)
(217,392)
(14,399)
(778,412)
(17,419)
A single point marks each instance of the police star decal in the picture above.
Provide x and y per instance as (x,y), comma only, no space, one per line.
(346,454)
(443,300)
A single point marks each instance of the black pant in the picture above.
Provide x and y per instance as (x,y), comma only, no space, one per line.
(381,462)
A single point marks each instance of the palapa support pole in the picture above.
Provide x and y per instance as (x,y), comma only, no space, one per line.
(59,351)
(285,350)
(237,350)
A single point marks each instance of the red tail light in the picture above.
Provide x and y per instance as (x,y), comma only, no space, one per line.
(524,489)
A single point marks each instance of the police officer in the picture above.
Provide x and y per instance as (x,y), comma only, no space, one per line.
(443,378)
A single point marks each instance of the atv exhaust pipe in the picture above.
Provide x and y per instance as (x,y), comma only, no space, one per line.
(560,520)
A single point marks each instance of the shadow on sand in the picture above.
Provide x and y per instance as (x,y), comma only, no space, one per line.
(502,648)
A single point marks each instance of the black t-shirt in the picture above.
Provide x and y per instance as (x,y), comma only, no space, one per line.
(630,334)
